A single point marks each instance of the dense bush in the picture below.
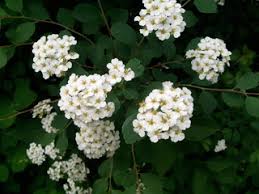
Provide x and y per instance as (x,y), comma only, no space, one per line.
(125,128)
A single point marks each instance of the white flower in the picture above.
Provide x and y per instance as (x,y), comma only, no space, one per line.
(165,114)
(210,58)
(162,16)
(51,151)
(41,109)
(220,2)
(73,168)
(36,154)
(83,99)
(71,188)
(97,139)
(47,121)
(52,55)
(221,145)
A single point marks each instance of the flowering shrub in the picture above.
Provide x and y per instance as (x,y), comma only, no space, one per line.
(129,97)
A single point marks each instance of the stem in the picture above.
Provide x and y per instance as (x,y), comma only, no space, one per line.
(21,112)
(110,176)
(16,45)
(49,22)
(220,90)
(186,2)
(135,168)
(141,41)
(104,17)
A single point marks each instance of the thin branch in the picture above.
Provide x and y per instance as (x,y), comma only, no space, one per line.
(186,2)
(6,117)
(135,168)
(49,22)
(16,45)
(220,90)
(110,176)
(104,17)
(141,41)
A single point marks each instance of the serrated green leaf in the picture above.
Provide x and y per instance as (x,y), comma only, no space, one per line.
(3,58)
(87,13)
(105,168)
(233,100)
(124,178)
(206,6)
(15,5)
(130,93)
(64,17)
(22,33)
(248,81)
(62,142)
(252,106)
(124,33)
(129,135)
(118,15)
(136,66)
(36,10)
(100,186)
(190,19)
(208,102)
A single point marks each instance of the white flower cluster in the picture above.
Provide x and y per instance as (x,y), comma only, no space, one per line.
(41,109)
(47,121)
(162,16)
(52,55)
(37,154)
(84,97)
(165,114)
(221,145)
(73,168)
(210,58)
(97,139)
(71,188)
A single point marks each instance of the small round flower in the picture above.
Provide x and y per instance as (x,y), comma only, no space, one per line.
(47,121)
(210,58)
(162,16)
(220,2)
(52,55)
(36,154)
(71,188)
(41,109)
(221,145)
(97,139)
(51,151)
(165,114)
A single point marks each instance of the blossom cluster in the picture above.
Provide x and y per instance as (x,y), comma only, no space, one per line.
(221,145)
(52,55)
(162,16)
(165,113)
(97,139)
(210,58)
(83,99)
(37,154)
(220,2)
(74,170)
(42,110)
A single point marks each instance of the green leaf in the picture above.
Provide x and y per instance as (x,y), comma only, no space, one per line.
(129,135)
(118,15)
(124,178)
(87,13)
(36,10)
(206,6)
(105,168)
(4,173)
(199,182)
(190,19)
(64,17)
(60,121)
(23,95)
(18,160)
(169,49)
(201,129)
(136,66)
(153,184)
(233,100)
(100,186)
(252,106)
(124,33)
(193,44)
(3,58)
(208,102)
(15,5)
(62,142)
(22,33)
(160,75)
(6,112)
(248,81)
(130,93)
(219,164)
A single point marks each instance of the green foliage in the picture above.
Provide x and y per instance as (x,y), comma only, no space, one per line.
(226,110)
